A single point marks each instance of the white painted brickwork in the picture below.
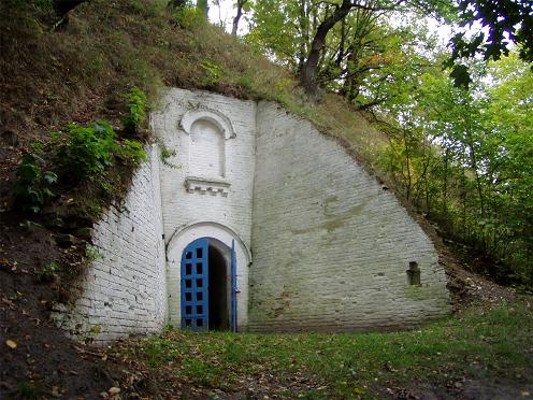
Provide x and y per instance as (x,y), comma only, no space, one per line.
(331,247)
(124,290)
(189,215)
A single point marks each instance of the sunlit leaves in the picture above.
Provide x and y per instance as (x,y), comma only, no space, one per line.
(275,30)
(355,46)
(501,24)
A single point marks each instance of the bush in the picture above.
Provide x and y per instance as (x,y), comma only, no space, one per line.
(32,186)
(136,107)
(84,152)
(48,272)
(131,152)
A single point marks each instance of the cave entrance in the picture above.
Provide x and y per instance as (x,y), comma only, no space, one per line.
(208,286)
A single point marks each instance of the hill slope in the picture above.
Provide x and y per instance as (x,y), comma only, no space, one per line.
(80,73)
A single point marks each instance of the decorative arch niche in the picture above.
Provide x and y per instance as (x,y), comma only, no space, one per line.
(207,151)
(208,131)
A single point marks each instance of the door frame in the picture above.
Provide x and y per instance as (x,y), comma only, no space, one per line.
(174,249)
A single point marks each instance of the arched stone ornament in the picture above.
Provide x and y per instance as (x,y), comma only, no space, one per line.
(217,118)
(208,130)
(181,238)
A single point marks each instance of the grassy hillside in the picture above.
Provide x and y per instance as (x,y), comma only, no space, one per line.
(78,71)
(83,71)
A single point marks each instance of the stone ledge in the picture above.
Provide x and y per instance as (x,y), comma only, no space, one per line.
(205,186)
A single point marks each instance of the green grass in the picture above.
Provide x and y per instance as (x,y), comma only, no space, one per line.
(477,345)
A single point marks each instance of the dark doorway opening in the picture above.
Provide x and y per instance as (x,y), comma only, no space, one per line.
(219,313)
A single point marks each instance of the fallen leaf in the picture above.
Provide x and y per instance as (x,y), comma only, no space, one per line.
(7,301)
(55,392)
(11,344)
(114,391)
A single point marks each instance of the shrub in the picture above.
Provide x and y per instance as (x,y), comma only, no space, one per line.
(84,152)
(48,272)
(80,154)
(131,152)
(212,72)
(32,186)
(136,110)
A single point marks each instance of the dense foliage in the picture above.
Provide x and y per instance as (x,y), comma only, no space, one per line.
(504,22)
(303,32)
(334,43)
(465,157)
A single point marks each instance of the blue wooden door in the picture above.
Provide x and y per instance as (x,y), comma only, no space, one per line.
(195,286)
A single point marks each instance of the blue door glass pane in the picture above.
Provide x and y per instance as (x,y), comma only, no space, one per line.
(194,286)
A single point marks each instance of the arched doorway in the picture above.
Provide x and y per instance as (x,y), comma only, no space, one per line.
(208,286)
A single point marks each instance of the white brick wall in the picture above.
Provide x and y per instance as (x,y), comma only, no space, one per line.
(124,289)
(188,216)
(331,247)
(181,208)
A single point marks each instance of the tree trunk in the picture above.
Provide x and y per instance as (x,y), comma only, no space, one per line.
(409,183)
(303,21)
(235,27)
(445,178)
(308,73)
(342,45)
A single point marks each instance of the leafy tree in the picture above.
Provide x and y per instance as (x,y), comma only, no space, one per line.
(465,157)
(300,31)
(323,41)
(310,66)
(509,110)
(504,22)
(374,60)
(278,29)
